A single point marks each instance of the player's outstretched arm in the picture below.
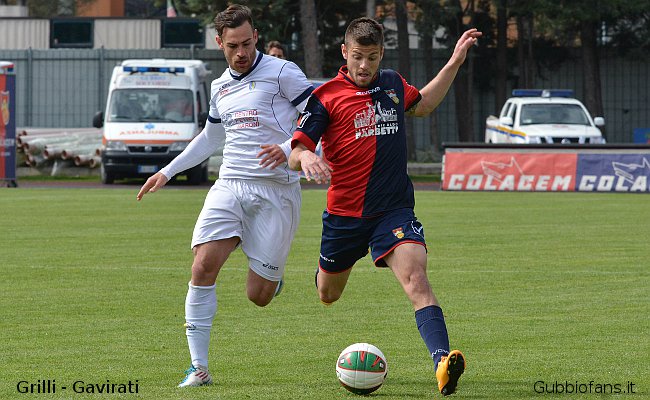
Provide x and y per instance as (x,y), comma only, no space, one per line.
(314,167)
(155,182)
(436,90)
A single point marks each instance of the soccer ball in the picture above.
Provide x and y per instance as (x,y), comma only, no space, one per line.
(361,368)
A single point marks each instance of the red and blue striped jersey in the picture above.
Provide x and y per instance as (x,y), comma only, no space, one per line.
(363,136)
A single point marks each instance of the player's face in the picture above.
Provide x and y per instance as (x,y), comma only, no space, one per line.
(362,61)
(238,46)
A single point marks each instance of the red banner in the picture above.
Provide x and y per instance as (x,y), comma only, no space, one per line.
(509,171)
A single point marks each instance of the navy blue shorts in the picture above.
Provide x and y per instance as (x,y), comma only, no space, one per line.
(345,240)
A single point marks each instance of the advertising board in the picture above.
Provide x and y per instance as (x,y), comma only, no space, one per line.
(7,123)
(546,169)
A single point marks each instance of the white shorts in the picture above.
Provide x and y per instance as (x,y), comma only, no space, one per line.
(264,215)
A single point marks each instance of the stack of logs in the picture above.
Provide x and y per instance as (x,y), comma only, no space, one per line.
(74,150)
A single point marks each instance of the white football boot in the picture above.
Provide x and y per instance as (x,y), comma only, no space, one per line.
(196,376)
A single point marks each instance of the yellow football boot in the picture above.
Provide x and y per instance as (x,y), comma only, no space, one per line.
(450,368)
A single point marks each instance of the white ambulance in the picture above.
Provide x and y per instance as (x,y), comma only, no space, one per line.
(154,109)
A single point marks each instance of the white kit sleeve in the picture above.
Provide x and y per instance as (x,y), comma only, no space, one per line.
(295,86)
(286,147)
(200,148)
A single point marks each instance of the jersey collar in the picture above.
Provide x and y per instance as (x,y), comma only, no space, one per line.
(250,71)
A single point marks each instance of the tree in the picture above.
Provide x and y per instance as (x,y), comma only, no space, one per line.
(281,20)
(333,19)
(13,2)
(591,68)
(501,54)
(581,21)
(630,35)
(273,19)
(308,20)
(455,19)
(404,65)
(463,99)
(525,54)
(426,23)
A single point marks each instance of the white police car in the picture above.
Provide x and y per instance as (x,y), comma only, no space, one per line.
(543,116)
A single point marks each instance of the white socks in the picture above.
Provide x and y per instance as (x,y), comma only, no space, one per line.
(200,309)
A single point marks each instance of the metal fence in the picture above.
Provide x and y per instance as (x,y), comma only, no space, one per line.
(625,84)
(65,87)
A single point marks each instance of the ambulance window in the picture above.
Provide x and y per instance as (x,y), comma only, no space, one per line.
(151,105)
(176,105)
(126,106)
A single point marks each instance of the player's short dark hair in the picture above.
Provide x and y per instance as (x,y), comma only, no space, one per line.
(365,31)
(232,17)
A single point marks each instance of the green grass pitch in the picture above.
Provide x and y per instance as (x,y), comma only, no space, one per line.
(536,287)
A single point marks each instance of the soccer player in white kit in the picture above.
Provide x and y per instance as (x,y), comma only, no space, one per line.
(256,201)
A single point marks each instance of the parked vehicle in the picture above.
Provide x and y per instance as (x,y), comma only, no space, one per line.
(154,109)
(543,116)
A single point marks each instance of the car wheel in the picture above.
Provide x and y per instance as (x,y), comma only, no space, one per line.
(107,177)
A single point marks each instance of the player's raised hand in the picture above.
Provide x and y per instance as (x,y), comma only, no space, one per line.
(466,41)
(272,156)
(155,182)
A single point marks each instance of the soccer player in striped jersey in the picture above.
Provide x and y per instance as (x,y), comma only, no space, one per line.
(256,201)
(359,118)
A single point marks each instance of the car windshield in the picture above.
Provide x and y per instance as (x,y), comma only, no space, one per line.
(151,105)
(571,114)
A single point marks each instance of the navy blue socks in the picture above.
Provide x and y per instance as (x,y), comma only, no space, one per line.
(431,324)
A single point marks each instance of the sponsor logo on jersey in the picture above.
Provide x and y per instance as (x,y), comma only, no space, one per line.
(375,120)
(303,118)
(398,232)
(224,89)
(367,92)
(393,95)
(241,119)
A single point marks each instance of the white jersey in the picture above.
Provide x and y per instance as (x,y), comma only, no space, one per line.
(258,107)
(255,108)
